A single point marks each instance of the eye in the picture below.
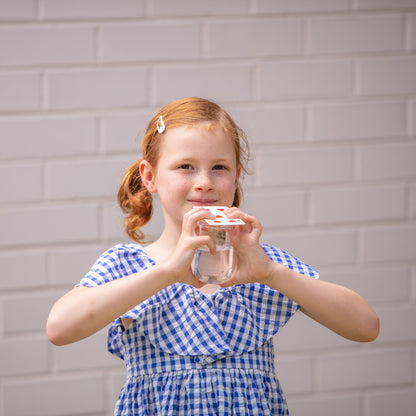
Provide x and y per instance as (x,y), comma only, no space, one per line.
(185,166)
(220,167)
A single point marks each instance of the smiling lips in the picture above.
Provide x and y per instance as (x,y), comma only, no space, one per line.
(201,202)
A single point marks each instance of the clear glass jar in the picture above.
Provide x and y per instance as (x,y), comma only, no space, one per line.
(215,268)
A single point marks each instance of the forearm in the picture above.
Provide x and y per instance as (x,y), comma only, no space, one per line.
(336,307)
(84,311)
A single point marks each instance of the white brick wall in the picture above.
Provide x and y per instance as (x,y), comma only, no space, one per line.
(326,90)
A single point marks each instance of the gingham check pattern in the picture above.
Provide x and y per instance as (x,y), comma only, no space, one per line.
(189,353)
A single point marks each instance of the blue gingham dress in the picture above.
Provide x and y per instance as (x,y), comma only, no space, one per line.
(190,353)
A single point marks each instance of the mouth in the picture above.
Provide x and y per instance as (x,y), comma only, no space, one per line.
(202,202)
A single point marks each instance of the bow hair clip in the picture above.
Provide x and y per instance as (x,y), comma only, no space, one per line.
(160,125)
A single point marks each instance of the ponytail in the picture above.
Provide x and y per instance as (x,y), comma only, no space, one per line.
(135,201)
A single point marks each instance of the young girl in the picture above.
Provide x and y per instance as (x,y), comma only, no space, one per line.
(192,348)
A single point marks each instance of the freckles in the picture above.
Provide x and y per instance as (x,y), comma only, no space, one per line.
(182,185)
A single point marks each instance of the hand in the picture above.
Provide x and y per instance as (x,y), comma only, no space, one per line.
(251,262)
(180,260)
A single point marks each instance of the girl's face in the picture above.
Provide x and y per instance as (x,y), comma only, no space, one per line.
(197,166)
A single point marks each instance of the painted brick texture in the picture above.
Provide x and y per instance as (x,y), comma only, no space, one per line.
(326,92)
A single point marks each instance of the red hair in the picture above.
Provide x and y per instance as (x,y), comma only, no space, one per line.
(134,199)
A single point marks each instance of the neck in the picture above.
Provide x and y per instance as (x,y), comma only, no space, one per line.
(162,248)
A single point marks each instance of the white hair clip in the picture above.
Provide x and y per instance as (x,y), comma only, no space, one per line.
(160,125)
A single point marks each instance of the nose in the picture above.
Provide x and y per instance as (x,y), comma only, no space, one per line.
(203,182)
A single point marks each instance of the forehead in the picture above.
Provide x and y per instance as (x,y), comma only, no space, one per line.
(200,138)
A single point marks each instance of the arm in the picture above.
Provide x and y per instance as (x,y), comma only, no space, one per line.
(336,307)
(83,311)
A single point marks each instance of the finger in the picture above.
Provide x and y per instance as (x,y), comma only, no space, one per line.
(193,216)
(256,227)
(234,212)
(206,240)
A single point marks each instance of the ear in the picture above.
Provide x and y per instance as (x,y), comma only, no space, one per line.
(148,175)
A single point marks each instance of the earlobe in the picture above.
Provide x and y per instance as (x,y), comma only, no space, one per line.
(148,176)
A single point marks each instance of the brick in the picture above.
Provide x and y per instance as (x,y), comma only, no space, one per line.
(302,79)
(384,4)
(298,166)
(412,19)
(412,118)
(250,180)
(222,83)
(40,138)
(357,204)
(295,374)
(21,182)
(299,6)
(124,132)
(23,356)
(97,88)
(13,265)
(35,131)
(390,402)
(357,34)
(20,91)
(46,45)
(271,125)
(318,248)
(55,396)
(283,209)
(388,161)
(49,224)
(92,9)
(87,354)
(395,75)
(316,405)
(302,334)
(112,227)
(413,201)
(360,120)
(69,265)
(358,370)
(254,38)
(18,10)
(86,178)
(115,382)
(198,7)
(25,313)
(376,284)
(153,229)
(112,218)
(389,243)
(397,324)
(130,42)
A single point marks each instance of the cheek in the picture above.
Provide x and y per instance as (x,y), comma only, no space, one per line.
(228,186)
(181,186)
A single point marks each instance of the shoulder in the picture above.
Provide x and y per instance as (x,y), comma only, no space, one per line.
(118,261)
(126,252)
(281,256)
(128,255)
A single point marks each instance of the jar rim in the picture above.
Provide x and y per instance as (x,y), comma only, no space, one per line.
(204,224)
